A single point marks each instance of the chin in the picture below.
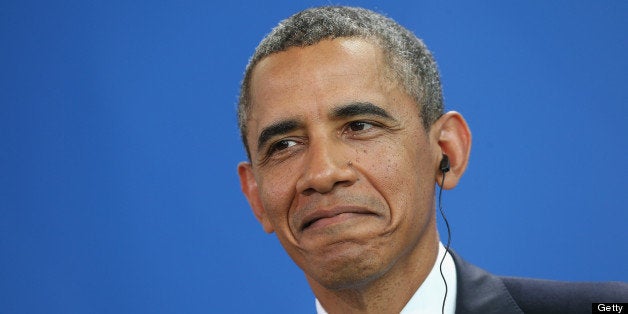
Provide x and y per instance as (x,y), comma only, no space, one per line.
(351,269)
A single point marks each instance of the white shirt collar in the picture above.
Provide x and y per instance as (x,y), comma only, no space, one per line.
(429,297)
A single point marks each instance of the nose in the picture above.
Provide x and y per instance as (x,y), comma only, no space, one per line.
(327,166)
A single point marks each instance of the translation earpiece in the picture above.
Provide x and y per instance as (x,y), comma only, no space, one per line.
(444,168)
(444,164)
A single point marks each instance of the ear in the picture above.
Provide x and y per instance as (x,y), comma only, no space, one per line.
(452,137)
(251,191)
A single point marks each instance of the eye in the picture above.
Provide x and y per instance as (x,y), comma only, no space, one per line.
(281,145)
(357,126)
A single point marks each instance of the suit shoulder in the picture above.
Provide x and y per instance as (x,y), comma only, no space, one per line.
(539,295)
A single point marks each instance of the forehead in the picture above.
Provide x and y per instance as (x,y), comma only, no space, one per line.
(344,61)
(306,82)
(354,49)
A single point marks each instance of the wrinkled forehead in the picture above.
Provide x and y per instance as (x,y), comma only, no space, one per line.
(302,68)
(295,74)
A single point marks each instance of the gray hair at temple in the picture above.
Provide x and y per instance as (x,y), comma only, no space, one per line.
(410,60)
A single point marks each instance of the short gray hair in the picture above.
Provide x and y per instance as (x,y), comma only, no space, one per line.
(407,56)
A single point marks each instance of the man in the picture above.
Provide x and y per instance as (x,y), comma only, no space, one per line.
(342,117)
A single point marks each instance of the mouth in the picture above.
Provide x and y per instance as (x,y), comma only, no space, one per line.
(326,217)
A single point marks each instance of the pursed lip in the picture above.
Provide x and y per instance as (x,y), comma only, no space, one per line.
(320,214)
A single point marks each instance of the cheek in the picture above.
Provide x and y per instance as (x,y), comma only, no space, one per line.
(392,166)
(277,194)
(401,171)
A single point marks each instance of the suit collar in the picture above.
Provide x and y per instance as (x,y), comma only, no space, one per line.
(480,291)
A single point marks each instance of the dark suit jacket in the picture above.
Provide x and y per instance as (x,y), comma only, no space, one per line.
(482,292)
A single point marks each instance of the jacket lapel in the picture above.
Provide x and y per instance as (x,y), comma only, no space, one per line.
(481,292)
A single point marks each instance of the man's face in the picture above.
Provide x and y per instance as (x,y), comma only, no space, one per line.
(341,166)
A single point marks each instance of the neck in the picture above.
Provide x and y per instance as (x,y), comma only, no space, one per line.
(389,292)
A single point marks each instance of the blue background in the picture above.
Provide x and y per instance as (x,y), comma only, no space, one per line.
(119,145)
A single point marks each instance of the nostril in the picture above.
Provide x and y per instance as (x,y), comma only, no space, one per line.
(325,168)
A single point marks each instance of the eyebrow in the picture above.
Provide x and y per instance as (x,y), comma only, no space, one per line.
(345,111)
(357,109)
(277,128)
